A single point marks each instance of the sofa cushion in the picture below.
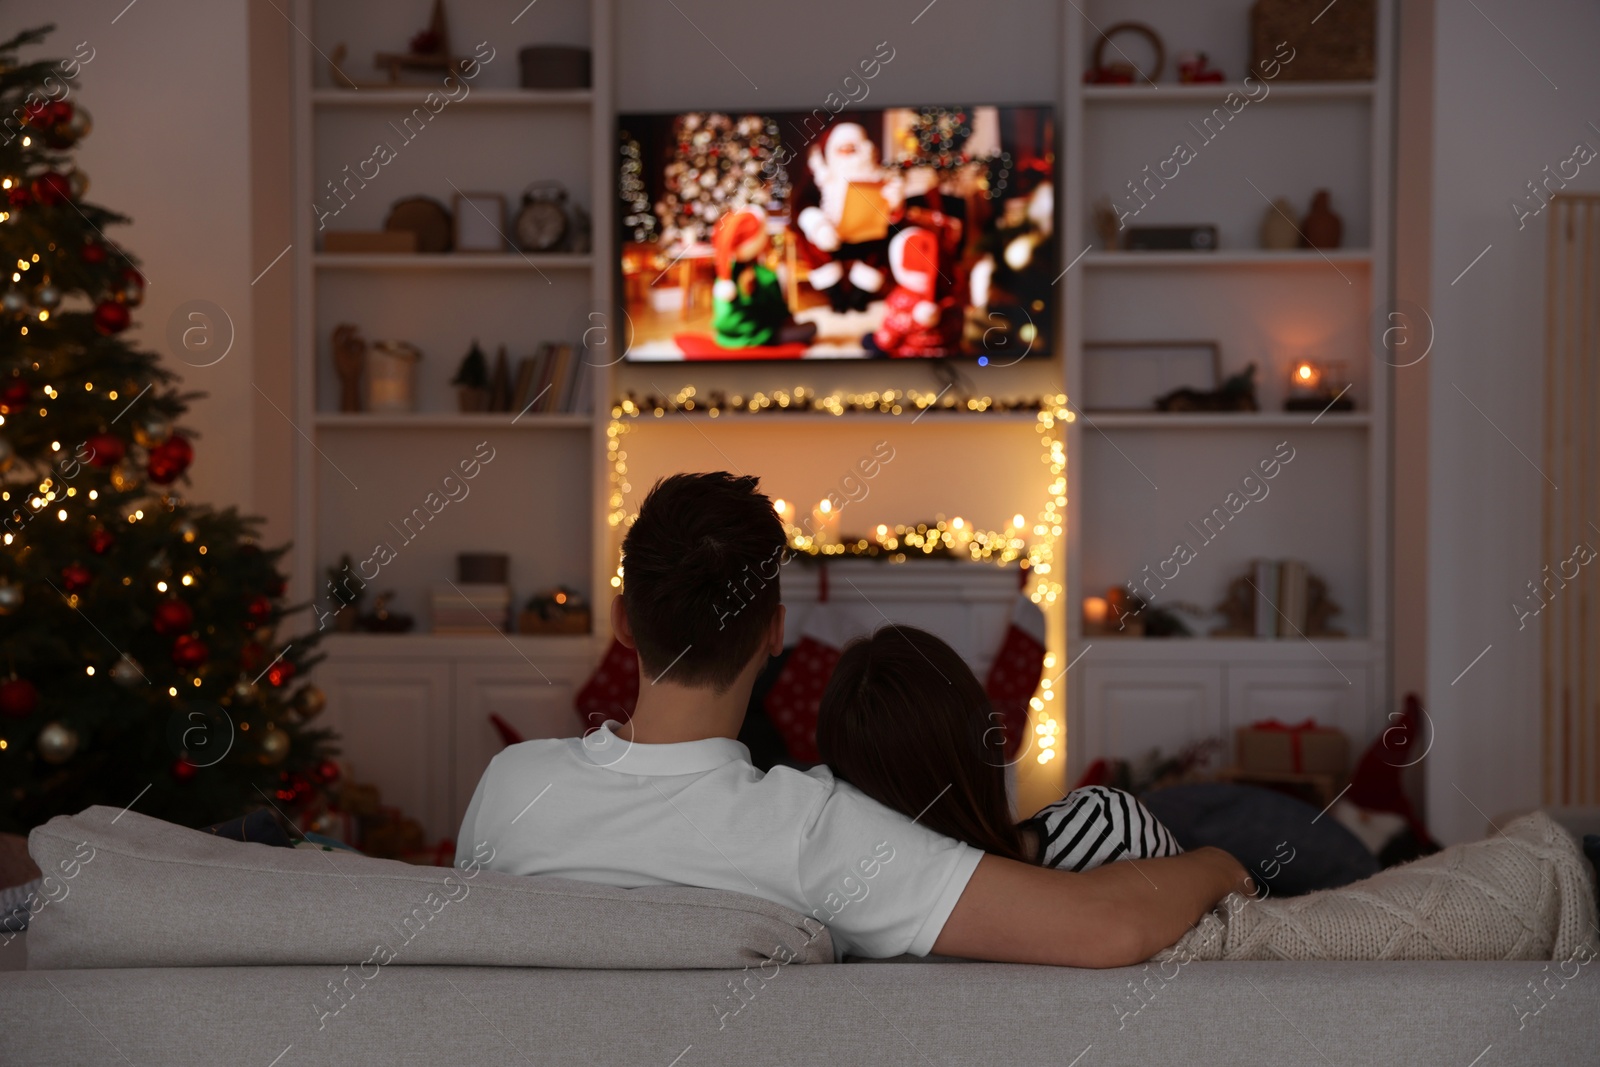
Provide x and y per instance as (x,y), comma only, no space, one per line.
(132,891)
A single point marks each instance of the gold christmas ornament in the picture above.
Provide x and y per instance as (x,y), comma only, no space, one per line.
(57,743)
(310,702)
(126,672)
(152,430)
(274,746)
(245,689)
(124,477)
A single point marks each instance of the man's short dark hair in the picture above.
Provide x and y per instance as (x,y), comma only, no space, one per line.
(700,568)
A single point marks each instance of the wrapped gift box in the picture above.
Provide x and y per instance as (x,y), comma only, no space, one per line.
(1304,748)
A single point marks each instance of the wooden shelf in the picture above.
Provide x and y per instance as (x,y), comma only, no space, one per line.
(1251,257)
(412,96)
(514,261)
(1109,648)
(975,418)
(1173,93)
(339,420)
(1225,420)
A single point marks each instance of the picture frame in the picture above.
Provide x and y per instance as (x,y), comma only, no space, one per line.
(1131,375)
(480,222)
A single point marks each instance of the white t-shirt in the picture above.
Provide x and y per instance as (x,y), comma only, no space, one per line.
(602,809)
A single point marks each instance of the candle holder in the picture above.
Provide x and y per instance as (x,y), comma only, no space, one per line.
(1315,385)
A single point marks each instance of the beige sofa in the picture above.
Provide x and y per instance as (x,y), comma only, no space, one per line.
(158,945)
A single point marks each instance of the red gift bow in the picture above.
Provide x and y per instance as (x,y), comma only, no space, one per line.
(1294,732)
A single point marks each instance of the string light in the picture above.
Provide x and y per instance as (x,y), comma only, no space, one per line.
(1035,554)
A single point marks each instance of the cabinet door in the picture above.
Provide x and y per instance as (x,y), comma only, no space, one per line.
(535,704)
(393,720)
(1129,710)
(1334,696)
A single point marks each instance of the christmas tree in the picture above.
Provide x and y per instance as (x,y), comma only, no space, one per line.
(138,658)
(718,164)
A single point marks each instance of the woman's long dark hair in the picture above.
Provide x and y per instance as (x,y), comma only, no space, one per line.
(905,721)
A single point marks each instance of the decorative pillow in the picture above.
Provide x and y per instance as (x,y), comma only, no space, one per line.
(1287,846)
(125,890)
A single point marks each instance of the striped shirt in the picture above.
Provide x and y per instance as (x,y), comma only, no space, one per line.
(1096,825)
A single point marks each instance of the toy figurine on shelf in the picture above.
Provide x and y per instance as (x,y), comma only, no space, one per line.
(559,611)
(1195,69)
(1237,393)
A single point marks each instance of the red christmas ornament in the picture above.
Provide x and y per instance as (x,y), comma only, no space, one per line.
(280,673)
(327,772)
(183,770)
(106,449)
(37,114)
(15,396)
(188,651)
(18,196)
(75,576)
(94,252)
(19,698)
(132,292)
(100,541)
(259,609)
(169,459)
(109,316)
(52,187)
(172,617)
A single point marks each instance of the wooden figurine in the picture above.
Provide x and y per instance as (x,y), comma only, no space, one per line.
(429,50)
(1239,609)
(1320,607)
(349,362)
(1321,228)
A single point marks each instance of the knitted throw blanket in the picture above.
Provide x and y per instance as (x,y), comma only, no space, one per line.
(1524,894)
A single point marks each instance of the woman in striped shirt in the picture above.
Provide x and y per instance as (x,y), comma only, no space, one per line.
(905,721)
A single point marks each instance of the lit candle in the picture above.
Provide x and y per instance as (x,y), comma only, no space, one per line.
(1305,379)
(1095,610)
(825,523)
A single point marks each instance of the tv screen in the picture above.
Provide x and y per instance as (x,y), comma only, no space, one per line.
(918,232)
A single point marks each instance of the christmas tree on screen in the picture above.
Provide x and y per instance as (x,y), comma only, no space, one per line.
(138,657)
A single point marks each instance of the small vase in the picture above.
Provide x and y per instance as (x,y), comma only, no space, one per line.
(1277,226)
(1321,227)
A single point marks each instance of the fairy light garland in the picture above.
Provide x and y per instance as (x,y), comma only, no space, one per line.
(1031,547)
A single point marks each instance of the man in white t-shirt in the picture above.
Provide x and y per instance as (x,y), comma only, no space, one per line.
(671,797)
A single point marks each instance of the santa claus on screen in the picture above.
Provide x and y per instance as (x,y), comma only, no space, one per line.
(845,233)
(918,321)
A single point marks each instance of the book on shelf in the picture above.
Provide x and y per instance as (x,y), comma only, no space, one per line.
(467,608)
(1293,599)
(1265,580)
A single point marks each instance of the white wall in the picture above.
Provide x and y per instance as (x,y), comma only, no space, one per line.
(168,92)
(1498,121)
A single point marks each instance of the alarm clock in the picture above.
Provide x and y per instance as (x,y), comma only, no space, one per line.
(542,221)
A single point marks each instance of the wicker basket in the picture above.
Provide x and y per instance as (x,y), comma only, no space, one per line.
(1340,45)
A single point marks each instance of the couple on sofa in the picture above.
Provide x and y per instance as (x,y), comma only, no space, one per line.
(904,842)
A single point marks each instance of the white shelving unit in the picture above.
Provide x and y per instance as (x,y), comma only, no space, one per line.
(1135,478)
(413,709)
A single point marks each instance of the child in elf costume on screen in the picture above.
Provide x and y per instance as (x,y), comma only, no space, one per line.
(917,321)
(748,306)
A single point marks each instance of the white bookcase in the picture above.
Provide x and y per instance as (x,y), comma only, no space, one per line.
(413,710)
(1136,479)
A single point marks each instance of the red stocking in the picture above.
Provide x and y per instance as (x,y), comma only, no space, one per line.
(796,693)
(611,690)
(1017,668)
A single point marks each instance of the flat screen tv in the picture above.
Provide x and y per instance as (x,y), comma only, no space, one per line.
(916,232)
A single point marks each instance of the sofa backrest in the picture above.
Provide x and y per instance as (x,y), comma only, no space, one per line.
(125,890)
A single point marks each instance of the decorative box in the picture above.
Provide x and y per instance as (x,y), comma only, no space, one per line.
(1273,747)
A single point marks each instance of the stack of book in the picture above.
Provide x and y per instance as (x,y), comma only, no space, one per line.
(554,379)
(471,609)
(1282,597)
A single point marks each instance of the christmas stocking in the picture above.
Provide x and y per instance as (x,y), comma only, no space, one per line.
(1016,671)
(796,693)
(611,690)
